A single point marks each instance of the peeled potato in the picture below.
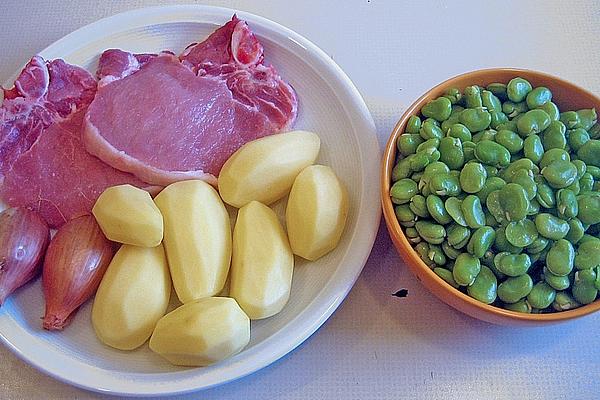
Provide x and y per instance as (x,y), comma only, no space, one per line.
(201,332)
(132,297)
(264,169)
(197,238)
(316,212)
(128,215)
(262,262)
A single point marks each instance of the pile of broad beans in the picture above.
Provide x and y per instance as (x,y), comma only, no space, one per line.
(499,193)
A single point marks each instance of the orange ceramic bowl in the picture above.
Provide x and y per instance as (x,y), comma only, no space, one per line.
(567,97)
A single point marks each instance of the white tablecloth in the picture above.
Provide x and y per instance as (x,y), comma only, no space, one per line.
(377,346)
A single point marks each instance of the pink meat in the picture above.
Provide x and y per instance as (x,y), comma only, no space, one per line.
(43,162)
(166,119)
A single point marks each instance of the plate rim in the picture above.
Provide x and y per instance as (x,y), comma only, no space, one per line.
(285,340)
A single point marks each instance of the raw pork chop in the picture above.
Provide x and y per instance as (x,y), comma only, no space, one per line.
(166,119)
(43,162)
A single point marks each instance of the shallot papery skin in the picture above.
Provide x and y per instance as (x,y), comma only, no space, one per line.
(76,260)
(24,237)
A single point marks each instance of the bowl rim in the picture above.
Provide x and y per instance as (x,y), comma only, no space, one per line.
(448,293)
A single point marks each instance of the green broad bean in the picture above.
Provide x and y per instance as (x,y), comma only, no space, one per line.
(577,138)
(560,258)
(521,233)
(550,226)
(545,195)
(514,289)
(451,152)
(466,268)
(534,207)
(584,289)
(422,249)
(473,212)
(472,97)
(589,152)
(492,153)
(444,185)
(469,150)
(453,94)
(454,207)
(494,206)
(566,204)
(551,109)
(497,119)
(524,178)
(554,136)
(533,148)
(491,184)
(450,251)
(447,124)
(436,254)
(472,177)
(594,171)
(557,282)
(514,202)
(458,235)
(438,109)
(446,276)
(538,245)
(586,182)
(489,218)
(461,132)
(430,130)
(510,140)
(589,208)
(402,169)
(587,118)
(403,190)
(435,207)
(512,109)
(560,173)
(518,89)
(541,295)
(413,125)
(418,205)
(588,255)
(533,122)
(481,241)
(576,231)
(411,233)
(408,143)
(502,244)
(430,232)
(419,161)
(524,163)
(537,97)
(490,101)
(570,119)
(487,134)
(485,286)
(475,119)
(498,89)
(405,216)
(564,301)
(521,306)
(581,168)
(512,264)
(510,125)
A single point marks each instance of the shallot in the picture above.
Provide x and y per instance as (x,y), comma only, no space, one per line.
(24,236)
(76,260)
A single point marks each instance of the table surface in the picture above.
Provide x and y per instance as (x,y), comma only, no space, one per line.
(377,346)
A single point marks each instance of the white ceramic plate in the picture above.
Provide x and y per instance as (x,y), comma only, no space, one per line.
(329,105)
